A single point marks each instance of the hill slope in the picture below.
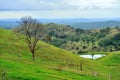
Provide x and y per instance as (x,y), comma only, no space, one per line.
(80,41)
(112,61)
(51,63)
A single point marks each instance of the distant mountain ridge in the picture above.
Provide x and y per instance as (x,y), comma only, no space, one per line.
(82,23)
(96,25)
(7,24)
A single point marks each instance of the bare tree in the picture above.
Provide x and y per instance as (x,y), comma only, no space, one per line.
(32,30)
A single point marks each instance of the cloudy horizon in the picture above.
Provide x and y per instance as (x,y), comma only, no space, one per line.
(60,8)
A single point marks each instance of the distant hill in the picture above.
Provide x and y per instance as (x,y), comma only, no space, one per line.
(8,24)
(95,25)
(82,23)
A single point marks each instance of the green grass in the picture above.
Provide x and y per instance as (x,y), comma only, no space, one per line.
(51,62)
(112,61)
(20,71)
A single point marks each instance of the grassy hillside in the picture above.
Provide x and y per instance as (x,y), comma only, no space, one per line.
(51,62)
(112,61)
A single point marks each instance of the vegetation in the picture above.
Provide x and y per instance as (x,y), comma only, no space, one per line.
(113,62)
(82,41)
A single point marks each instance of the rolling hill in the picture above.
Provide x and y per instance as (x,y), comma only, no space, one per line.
(80,40)
(113,62)
(51,62)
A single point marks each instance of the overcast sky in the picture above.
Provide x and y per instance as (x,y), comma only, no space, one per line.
(60,8)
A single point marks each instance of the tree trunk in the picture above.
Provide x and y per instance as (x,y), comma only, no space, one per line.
(33,55)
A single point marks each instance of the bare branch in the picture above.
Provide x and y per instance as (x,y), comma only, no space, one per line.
(32,31)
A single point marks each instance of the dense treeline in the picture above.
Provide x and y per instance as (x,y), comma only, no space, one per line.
(79,40)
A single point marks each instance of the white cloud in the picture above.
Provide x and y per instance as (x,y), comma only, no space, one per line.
(59,8)
(34,5)
(61,14)
(94,4)
(58,4)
